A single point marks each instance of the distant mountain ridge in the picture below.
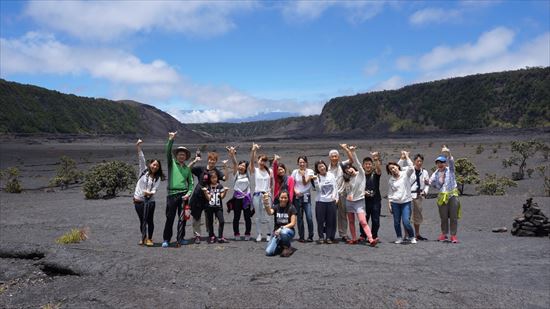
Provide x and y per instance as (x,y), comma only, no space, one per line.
(504,100)
(32,109)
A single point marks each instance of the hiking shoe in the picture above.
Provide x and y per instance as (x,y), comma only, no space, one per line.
(259,238)
(398,241)
(442,237)
(184,242)
(268,238)
(413,240)
(223,240)
(288,251)
(197,240)
(165,244)
(149,243)
(454,240)
(237,237)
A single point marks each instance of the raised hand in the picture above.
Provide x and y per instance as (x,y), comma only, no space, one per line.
(172,135)
(375,156)
(352,148)
(224,162)
(276,157)
(139,142)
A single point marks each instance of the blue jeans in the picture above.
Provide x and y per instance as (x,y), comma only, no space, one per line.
(277,242)
(402,211)
(302,207)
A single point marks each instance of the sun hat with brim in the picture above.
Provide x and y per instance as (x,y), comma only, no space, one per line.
(181,148)
(441,159)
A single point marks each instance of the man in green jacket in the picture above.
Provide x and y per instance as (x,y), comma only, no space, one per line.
(180,185)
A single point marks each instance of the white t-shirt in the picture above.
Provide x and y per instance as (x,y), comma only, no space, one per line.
(327,188)
(242,183)
(399,190)
(298,184)
(262,179)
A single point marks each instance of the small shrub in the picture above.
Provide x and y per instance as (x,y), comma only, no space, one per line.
(493,185)
(11,175)
(72,237)
(480,149)
(521,151)
(106,180)
(466,173)
(67,173)
(544,171)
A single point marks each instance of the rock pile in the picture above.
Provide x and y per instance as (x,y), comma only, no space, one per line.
(532,223)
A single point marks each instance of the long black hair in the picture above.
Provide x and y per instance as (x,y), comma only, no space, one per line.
(159,173)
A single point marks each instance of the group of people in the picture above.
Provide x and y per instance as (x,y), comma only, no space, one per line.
(344,190)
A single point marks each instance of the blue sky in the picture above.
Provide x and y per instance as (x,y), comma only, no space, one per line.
(209,61)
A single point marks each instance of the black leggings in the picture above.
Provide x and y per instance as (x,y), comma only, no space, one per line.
(372,211)
(210,212)
(238,208)
(140,209)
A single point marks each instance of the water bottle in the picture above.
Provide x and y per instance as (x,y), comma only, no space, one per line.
(186,212)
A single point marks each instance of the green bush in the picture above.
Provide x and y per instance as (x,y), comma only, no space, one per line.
(544,171)
(466,173)
(493,185)
(521,151)
(480,149)
(67,173)
(105,180)
(11,175)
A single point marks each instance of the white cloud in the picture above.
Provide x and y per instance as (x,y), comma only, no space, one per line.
(305,11)
(131,78)
(371,69)
(108,20)
(434,15)
(394,82)
(489,44)
(492,52)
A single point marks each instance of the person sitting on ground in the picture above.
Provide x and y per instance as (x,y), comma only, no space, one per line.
(284,214)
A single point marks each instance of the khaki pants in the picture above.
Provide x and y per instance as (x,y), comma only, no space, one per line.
(342,216)
(449,213)
(417,217)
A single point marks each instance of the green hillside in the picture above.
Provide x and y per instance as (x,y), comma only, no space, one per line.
(514,99)
(32,109)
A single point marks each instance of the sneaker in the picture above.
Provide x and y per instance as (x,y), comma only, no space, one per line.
(413,240)
(184,242)
(288,251)
(223,240)
(197,240)
(301,240)
(149,243)
(212,240)
(329,242)
(237,237)
(140,243)
(421,238)
(246,237)
(268,238)
(259,238)
(454,240)
(310,239)
(165,244)
(321,241)
(398,241)
(442,237)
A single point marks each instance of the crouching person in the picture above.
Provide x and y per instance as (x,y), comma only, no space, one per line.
(284,214)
